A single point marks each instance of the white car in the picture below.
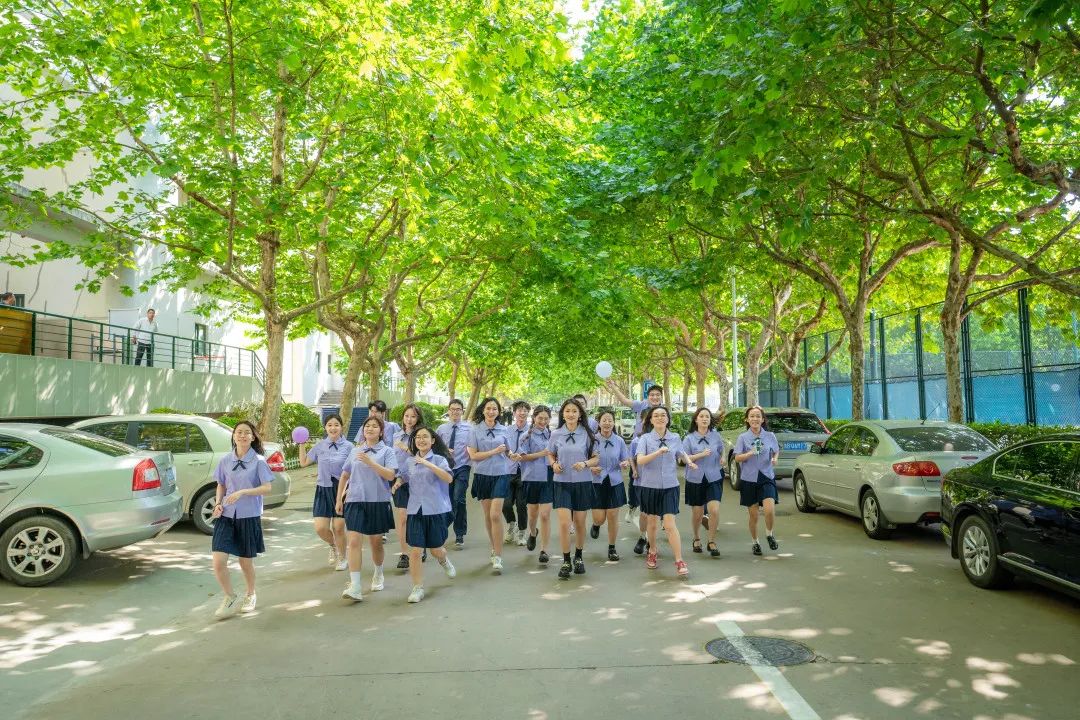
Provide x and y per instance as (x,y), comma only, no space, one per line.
(197,444)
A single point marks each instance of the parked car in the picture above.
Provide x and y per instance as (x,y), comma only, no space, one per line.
(886,472)
(1017,512)
(64,493)
(197,444)
(796,429)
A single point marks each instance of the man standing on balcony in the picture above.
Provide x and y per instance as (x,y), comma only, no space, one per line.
(144,338)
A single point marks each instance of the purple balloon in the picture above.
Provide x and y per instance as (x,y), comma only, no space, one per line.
(300,435)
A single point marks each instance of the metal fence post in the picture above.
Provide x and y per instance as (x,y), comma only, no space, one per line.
(966,369)
(881,365)
(828,387)
(173,352)
(100,342)
(772,382)
(69,339)
(1026,361)
(806,382)
(33,333)
(919,365)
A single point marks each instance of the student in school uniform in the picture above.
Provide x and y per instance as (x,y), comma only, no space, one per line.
(584,402)
(656,459)
(574,453)
(536,477)
(377,408)
(243,477)
(364,500)
(427,472)
(654,396)
(491,479)
(704,483)
(411,418)
(331,453)
(514,511)
(640,519)
(609,494)
(456,433)
(757,451)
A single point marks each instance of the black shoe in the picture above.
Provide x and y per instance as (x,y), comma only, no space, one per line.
(773,545)
(612,556)
(696,545)
(639,549)
(565,570)
(757,549)
(713,550)
(403,562)
(543,558)
(530,544)
(595,532)
(579,566)
(423,558)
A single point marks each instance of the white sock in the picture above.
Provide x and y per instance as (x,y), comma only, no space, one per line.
(378,569)
(769,534)
(354,578)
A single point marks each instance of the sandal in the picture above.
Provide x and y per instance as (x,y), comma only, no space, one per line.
(697,545)
(713,550)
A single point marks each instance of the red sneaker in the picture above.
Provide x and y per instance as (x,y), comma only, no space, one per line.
(680,567)
(650,561)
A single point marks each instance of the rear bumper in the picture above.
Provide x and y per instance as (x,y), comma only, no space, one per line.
(906,505)
(280,488)
(106,526)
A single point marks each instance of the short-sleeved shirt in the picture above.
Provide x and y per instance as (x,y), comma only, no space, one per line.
(402,455)
(708,467)
(612,451)
(366,485)
(533,442)
(514,436)
(633,458)
(765,446)
(662,471)
(332,458)
(460,441)
(427,493)
(244,473)
(569,448)
(390,431)
(637,406)
(484,439)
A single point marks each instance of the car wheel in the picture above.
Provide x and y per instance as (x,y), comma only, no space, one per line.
(733,474)
(979,554)
(802,495)
(873,519)
(202,510)
(37,550)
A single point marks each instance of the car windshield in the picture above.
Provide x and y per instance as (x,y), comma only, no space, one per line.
(795,423)
(939,439)
(97,443)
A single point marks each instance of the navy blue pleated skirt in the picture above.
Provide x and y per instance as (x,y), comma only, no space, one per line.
(427,531)
(401,496)
(538,493)
(326,500)
(607,496)
(702,493)
(754,493)
(368,518)
(241,537)
(490,487)
(660,502)
(576,496)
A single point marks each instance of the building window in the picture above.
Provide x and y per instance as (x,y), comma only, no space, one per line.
(200,339)
(329,363)
(318,361)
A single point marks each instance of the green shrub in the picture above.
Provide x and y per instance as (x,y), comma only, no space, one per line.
(432,413)
(246,411)
(229,420)
(295,415)
(999,433)
(168,411)
(834,425)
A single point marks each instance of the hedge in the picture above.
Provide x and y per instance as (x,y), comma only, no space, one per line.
(432,413)
(999,433)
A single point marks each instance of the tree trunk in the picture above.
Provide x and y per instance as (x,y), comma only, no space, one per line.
(685,389)
(666,380)
(477,383)
(950,335)
(374,375)
(701,374)
(352,384)
(275,355)
(856,351)
(410,385)
(794,382)
(751,376)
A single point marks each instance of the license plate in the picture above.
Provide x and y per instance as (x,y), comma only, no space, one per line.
(795,446)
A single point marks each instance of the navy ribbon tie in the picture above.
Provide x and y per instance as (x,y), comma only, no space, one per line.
(663,442)
(571,438)
(608,443)
(369,450)
(703,441)
(239,465)
(491,432)
(333,446)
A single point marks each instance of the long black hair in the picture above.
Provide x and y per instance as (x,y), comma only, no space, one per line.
(256,442)
(419,416)
(746,417)
(583,421)
(536,411)
(647,426)
(437,445)
(478,413)
(693,420)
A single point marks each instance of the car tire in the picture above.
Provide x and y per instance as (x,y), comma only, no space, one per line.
(51,547)
(202,508)
(978,550)
(733,473)
(802,494)
(873,519)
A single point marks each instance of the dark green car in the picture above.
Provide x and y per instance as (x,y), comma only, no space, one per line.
(1017,512)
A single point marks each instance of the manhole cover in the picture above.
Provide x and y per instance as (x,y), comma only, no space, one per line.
(749,650)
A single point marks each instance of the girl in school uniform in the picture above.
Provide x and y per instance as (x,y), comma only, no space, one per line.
(243,477)
(491,472)
(641,519)
(573,451)
(704,483)
(536,480)
(411,419)
(609,493)
(656,458)
(331,453)
(757,451)
(364,499)
(427,473)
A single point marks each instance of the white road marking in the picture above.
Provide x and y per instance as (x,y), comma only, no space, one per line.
(794,704)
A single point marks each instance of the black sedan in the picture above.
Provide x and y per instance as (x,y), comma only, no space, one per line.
(1017,512)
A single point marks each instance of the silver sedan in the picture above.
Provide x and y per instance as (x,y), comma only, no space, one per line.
(885,472)
(64,493)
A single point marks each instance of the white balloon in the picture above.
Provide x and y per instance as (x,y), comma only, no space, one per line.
(603,369)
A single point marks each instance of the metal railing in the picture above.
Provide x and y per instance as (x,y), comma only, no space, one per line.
(43,334)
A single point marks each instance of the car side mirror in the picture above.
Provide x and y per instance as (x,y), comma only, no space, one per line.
(817,449)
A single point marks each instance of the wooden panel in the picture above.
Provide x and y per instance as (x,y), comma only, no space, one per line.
(15,331)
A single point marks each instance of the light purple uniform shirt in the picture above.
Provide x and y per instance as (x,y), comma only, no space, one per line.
(461,441)
(427,493)
(515,435)
(612,451)
(244,473)
(331,458)
(486,438)
(365,485)
(708,467)
(402,455)
(637,406)
(569,448)
(533,442)
(633,456)
(765,446)
(661,472)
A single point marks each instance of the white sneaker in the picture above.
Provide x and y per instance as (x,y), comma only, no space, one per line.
(352,593)
(333,559)
(451,571)
(249,603)
(510,535)
(378,582)
(572,528)
(417,594)
(342,564)
(496,565)
(522,537)
(230,604)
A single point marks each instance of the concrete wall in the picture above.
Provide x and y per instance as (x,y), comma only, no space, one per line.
(38,387)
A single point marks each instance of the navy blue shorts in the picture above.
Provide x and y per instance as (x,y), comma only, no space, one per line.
(607,496)
(538,493)
(754,493)
(368,518)
(240,537)
(427,531)
(660,502)
(326,500)
(576,496)
(703,493)
(490,487)
(401,496)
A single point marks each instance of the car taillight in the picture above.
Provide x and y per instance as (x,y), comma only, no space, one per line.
(276,461)
(917,468)
(146,476)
